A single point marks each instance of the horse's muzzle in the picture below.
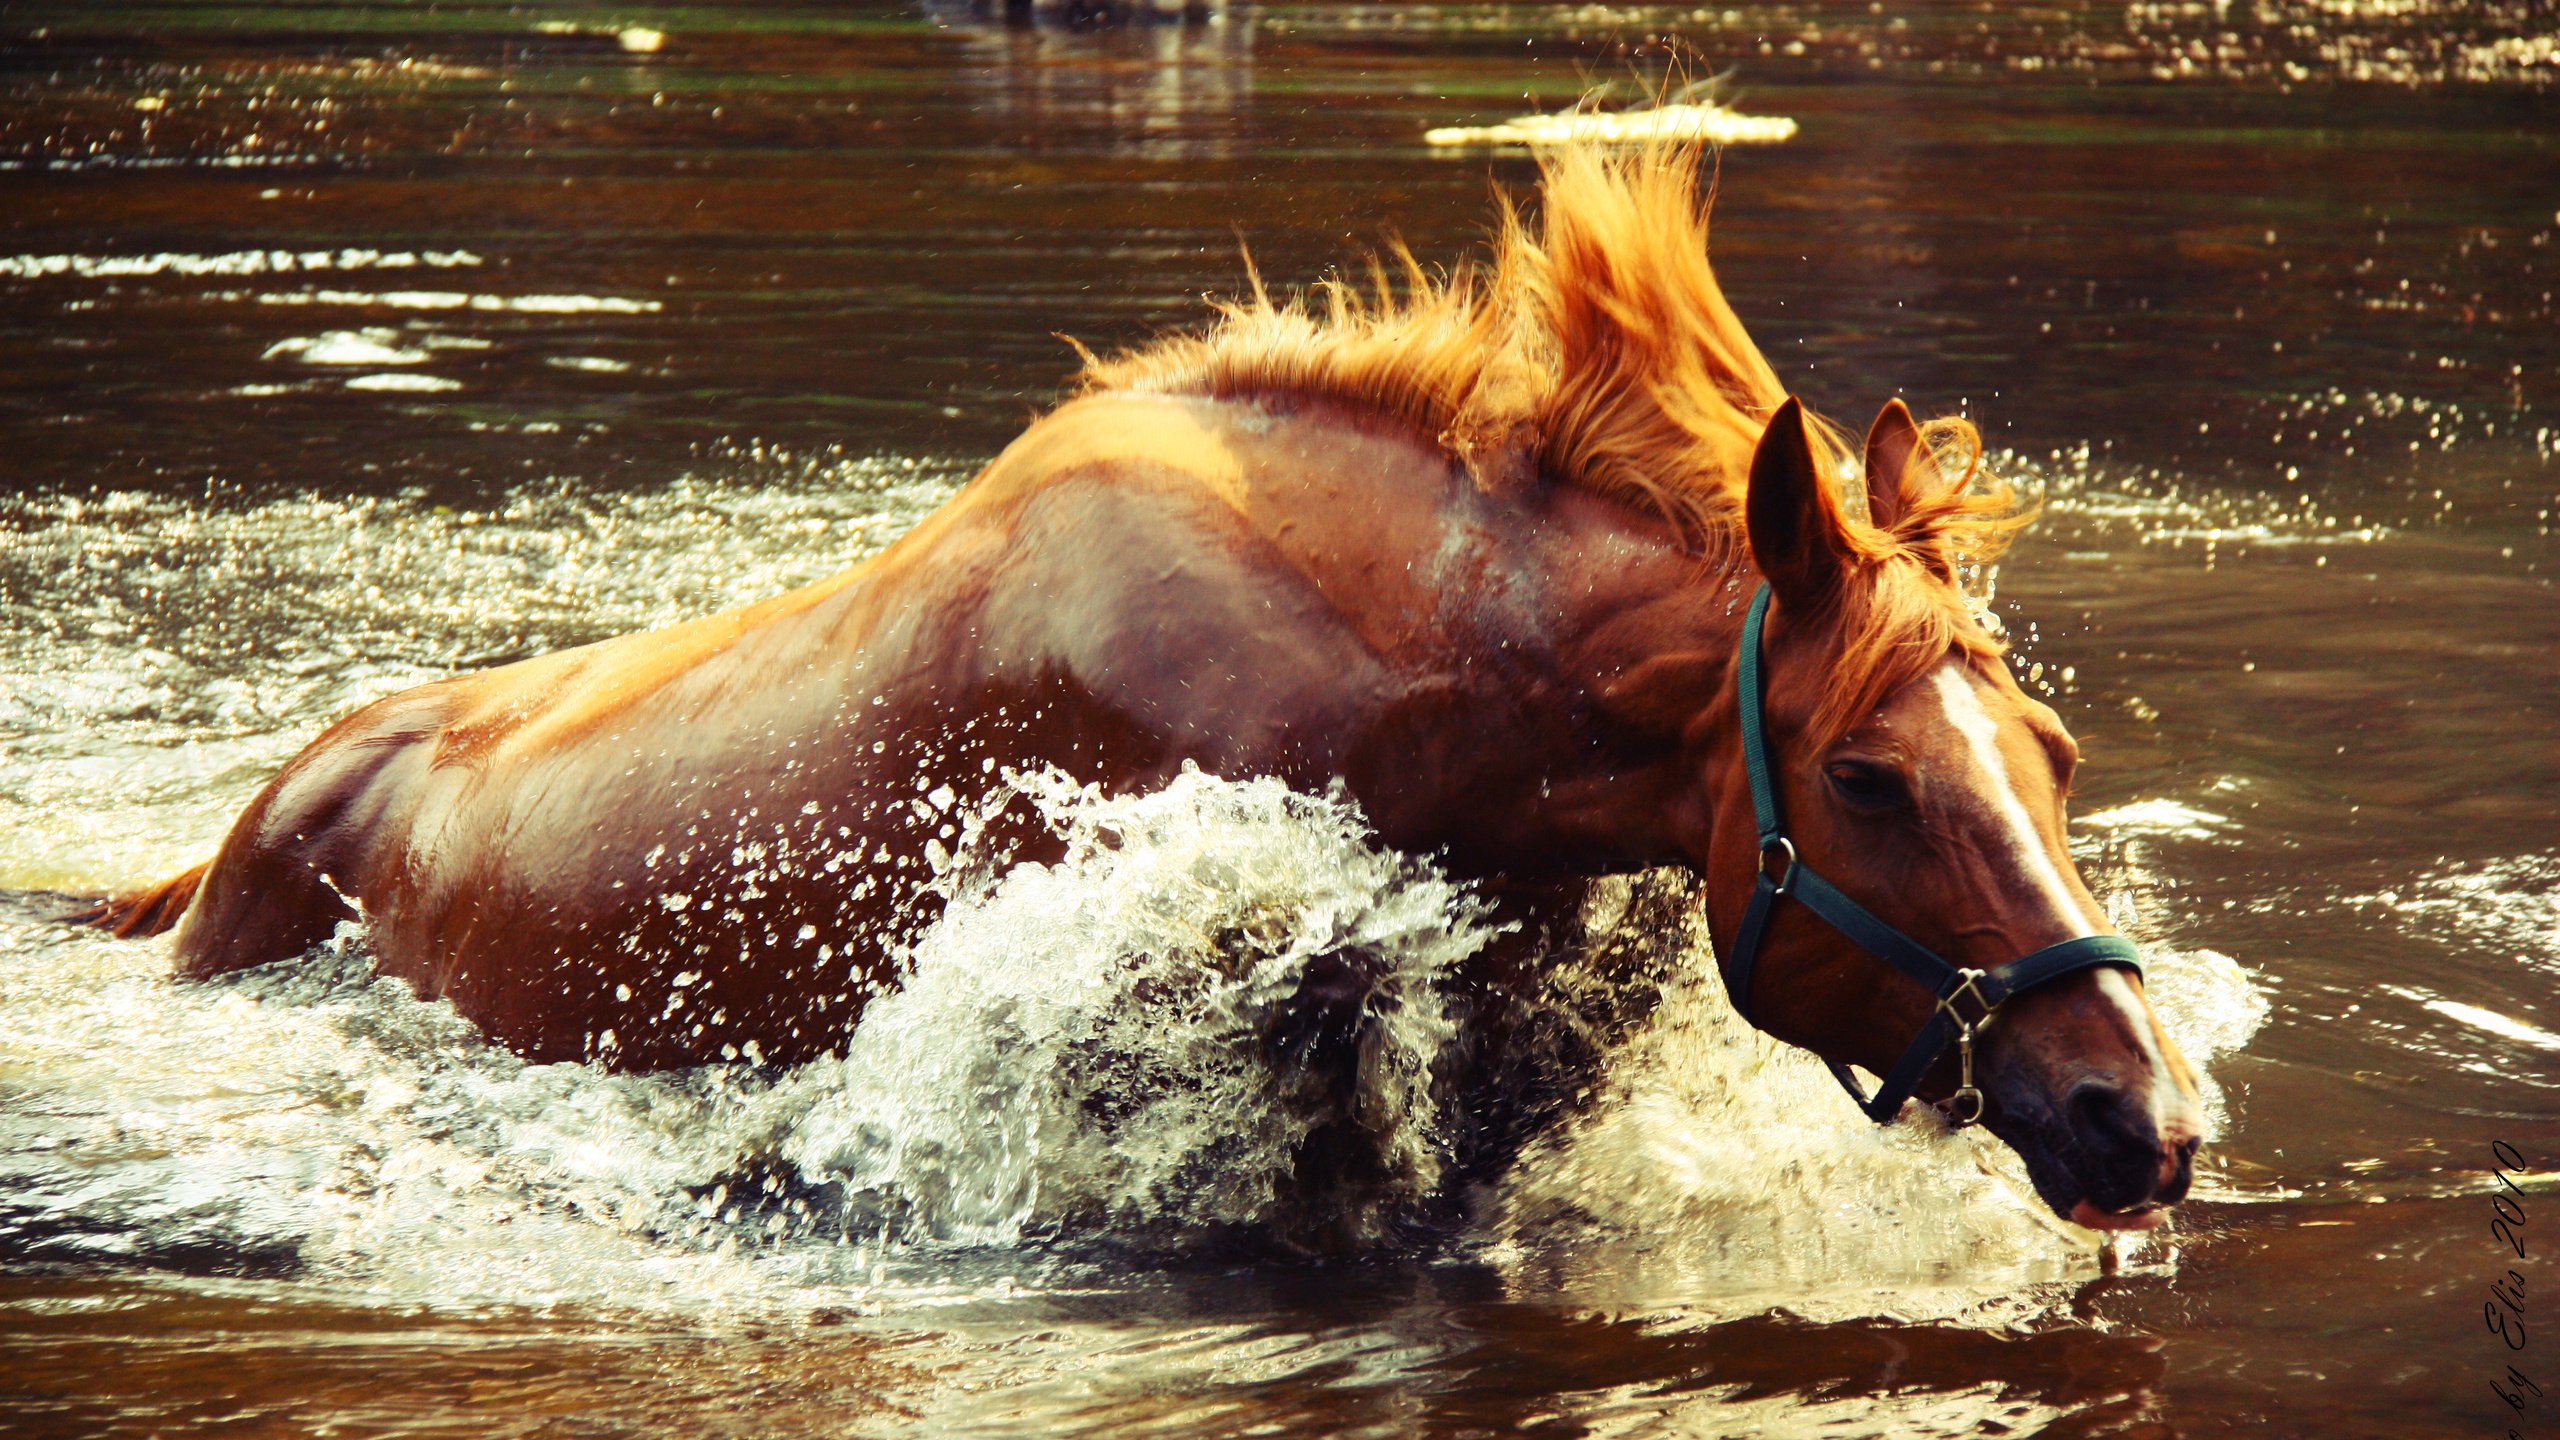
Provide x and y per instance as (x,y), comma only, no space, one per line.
(2105,1156)
(2130,1167)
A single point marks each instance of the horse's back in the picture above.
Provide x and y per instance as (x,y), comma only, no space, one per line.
(1135,582)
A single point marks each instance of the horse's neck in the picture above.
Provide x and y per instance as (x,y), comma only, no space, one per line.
(1640,638)
(1646,627)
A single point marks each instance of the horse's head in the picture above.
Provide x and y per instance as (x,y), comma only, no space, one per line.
(1915,777)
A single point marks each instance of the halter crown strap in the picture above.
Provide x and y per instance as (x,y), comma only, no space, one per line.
(1774,845)
(1965,998)
(1755,743)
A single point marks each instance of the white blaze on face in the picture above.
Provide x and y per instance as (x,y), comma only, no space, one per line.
(2032,861)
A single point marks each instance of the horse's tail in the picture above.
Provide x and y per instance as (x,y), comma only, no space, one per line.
(145,912)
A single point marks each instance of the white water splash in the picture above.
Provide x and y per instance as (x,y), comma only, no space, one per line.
(1083,1050)
(1086,1045)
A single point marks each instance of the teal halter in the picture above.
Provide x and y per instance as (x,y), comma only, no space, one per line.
(1966,999)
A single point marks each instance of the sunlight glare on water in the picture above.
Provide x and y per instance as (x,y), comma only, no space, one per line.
(166,655)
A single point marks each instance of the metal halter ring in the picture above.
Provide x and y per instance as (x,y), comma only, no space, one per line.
(1785,851)
(1965,1106)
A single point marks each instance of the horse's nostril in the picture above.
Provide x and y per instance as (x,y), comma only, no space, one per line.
(2120,1146)
(2177,1171)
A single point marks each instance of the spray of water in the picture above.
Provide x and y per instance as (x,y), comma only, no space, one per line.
(1134,1040)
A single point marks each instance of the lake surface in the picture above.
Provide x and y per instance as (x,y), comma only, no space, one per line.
(345,346)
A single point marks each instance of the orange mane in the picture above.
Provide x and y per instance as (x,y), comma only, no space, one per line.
(1595,350)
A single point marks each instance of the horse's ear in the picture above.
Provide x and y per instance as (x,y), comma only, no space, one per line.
(1799,538)
(1895,485)
(1903,475)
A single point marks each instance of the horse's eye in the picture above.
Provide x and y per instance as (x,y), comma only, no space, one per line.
(1867,785)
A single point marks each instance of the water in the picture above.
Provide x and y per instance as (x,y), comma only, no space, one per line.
(326,373)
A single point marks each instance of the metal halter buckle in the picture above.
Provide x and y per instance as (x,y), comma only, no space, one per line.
(1964,1107)
(1968,982)
(1785,851)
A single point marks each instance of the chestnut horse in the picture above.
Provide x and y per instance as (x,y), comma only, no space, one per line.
(1479,547)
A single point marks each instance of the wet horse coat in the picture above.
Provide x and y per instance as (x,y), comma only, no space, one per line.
(1478,552)
(657,847)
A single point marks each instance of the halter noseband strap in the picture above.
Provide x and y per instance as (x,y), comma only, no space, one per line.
(1966,999)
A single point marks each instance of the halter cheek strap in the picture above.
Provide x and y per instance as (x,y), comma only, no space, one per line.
(1966,998)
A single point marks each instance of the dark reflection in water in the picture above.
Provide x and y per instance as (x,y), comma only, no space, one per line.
(1443,1354)
(341,346)
(1172,93)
